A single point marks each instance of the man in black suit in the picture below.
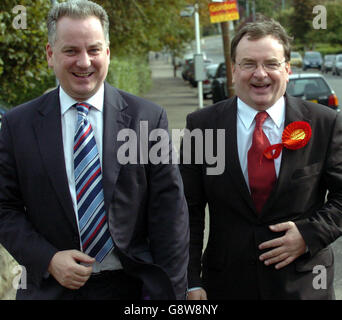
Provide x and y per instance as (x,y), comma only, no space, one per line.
(143,245)
(270,225)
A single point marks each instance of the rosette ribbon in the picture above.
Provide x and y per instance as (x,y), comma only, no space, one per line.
(295,136)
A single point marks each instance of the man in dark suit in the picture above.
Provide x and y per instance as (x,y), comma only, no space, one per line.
(270,224)
(139,244)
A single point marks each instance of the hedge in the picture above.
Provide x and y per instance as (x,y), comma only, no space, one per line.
(131,74)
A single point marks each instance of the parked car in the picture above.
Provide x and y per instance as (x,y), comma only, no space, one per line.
(219,86)
(185,69)
(337,65)
(296,59)
(312,59)
(312,87)
(210,72)
(328,63)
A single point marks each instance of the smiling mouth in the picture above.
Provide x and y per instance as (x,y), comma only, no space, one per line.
(83,75)
(260,86)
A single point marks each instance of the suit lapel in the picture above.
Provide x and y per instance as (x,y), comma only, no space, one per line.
(227,119)
(289,157)
(48,129)
(115,119)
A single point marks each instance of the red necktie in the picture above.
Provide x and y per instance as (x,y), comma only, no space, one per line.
(261,171)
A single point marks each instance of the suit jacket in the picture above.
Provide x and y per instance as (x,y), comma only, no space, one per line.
(145,204)
(230,266)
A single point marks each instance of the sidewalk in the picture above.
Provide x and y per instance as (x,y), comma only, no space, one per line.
(175,95)
(178,98)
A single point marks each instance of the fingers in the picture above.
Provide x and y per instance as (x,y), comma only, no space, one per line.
(66,269)
(282,226)
(278,242)
(285,249)
(82,257)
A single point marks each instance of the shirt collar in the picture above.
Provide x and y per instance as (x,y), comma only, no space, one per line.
(67,102)
(247,113)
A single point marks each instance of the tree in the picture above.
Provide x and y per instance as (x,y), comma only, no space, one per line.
(23,65)
(301,20)
(136,27)
(145,25)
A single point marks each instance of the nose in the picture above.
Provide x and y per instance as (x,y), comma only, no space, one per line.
(83,60)
(260,71)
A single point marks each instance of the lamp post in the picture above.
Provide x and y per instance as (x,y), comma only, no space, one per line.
(198,56)
(198,52)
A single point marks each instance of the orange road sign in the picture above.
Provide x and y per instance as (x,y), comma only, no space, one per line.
(223,11)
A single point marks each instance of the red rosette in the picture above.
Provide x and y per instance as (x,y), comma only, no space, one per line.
(295,136)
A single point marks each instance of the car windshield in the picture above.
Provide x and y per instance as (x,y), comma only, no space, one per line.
(340,59)
(211,71)
(305,86)
(329,58)
(312,55)
(295,55)
(221,72)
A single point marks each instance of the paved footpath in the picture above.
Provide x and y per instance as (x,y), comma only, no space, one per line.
(179,99)
(175,95)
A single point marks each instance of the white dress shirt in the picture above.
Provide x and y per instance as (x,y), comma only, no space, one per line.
(69,122)
(273,128)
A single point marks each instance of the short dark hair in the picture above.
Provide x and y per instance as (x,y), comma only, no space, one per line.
(260,29)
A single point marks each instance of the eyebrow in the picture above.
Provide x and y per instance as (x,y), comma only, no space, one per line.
(94,45)
(252,60)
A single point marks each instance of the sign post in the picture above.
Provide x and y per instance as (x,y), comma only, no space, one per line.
(198,53)
(198,56)
(223,12)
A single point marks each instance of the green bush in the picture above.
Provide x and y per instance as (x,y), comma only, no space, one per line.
(131,74)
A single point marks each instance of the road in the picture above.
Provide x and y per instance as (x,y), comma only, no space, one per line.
(213,47)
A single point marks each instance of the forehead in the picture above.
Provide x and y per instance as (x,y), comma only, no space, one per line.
(77,29)
(264,48)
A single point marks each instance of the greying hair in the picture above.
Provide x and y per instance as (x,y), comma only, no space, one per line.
(260,29)
(78,9)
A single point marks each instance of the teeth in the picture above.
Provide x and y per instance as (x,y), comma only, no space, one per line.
(83,74)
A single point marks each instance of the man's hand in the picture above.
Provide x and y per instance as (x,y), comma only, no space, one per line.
(65,267)
(198,294)
(286,248)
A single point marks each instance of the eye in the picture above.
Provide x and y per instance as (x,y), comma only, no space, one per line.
(94,50)
(272,65)
(248,65)
(69,52)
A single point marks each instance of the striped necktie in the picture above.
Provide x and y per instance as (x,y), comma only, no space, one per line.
(93,226)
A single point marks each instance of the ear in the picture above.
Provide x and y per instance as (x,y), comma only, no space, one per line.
(233,72)
(288,70)
(49,55)
(108,53)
